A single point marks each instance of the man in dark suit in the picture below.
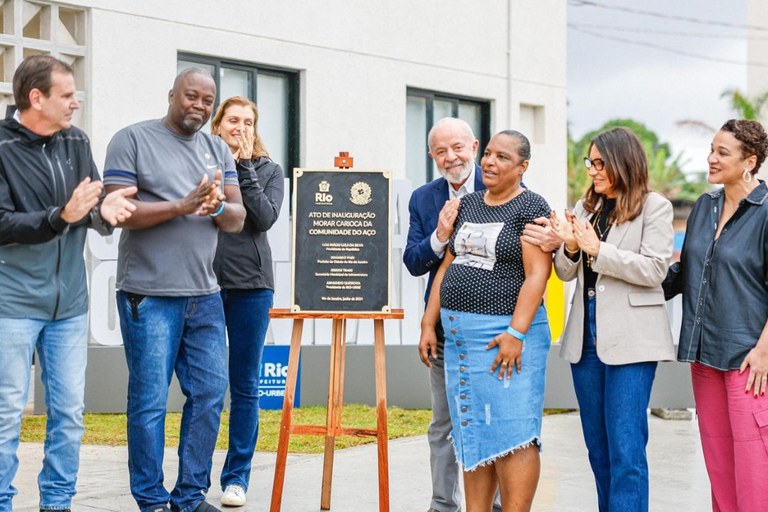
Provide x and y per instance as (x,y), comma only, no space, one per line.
(433,209)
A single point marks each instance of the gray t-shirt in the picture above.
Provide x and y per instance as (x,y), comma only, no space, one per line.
(175,258)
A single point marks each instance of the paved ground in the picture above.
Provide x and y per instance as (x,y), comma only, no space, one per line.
(678,478)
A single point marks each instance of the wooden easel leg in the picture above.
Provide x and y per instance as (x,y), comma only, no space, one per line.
(333,413)
(285,419)
(381,414)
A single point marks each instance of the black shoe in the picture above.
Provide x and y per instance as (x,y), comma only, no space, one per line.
(161,509)
(206,507)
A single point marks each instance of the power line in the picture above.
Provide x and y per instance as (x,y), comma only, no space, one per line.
(656,14)
(707,35)
(668,49)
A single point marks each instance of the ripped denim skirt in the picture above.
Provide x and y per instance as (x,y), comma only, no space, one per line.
(492,418)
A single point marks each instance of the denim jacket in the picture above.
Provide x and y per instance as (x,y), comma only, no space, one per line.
(724,282)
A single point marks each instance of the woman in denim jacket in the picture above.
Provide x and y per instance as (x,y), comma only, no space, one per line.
(723,276)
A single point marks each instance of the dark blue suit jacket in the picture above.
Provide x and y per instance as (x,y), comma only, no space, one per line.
(424,208)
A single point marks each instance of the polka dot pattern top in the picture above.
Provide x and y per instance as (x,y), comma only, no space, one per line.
(488,272)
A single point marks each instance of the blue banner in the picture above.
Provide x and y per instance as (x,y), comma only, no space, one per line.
(273,376)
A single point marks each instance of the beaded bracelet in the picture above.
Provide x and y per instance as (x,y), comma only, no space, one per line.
(517,334)
(217,212)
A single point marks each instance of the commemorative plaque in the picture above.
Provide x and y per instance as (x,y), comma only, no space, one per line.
(341,256)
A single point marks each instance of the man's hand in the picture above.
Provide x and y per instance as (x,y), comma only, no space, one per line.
(214,198)
(541,233)
(84,198)
(447,219)
(116,208)
(427,346)
(193,202)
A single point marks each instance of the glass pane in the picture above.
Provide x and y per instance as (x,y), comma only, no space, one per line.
(443,108)
(416,140)
(273,116)
(234,82)
(472,114)
(181,65)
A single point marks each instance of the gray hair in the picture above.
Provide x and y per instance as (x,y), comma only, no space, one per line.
(460,123)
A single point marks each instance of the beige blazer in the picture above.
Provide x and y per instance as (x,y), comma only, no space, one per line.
(631,316)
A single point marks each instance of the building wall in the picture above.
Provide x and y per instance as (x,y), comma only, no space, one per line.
(356,61)
(757,47)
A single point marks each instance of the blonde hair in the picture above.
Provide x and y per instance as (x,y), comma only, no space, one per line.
(258,146)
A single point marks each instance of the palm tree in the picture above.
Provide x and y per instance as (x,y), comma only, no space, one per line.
(744,106)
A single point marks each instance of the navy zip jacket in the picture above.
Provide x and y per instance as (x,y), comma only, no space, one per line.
(42,270)
(244,260)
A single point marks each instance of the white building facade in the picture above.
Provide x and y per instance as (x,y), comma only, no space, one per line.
(366,77)
(328,76)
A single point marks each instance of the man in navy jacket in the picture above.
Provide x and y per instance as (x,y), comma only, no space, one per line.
(433,209)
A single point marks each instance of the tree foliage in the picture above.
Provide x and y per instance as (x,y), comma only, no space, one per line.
(744,106)
(664,170)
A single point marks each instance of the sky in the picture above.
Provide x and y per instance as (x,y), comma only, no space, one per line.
(609,77)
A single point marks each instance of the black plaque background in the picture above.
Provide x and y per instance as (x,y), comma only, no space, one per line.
(308,250)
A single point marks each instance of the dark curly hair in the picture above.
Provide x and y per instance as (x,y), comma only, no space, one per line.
(752,139)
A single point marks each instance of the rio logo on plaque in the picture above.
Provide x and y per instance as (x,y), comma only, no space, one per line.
(341,240)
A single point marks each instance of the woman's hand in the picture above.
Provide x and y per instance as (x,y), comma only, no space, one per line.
(757,361)
(510,354)
(586,237)
(428,346)
(245,144)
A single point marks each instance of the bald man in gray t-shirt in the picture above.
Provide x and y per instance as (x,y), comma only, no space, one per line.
(171,314)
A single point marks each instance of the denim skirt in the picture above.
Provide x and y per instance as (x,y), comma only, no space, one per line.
(492,418)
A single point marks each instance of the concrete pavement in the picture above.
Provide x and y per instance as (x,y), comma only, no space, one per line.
(678,477)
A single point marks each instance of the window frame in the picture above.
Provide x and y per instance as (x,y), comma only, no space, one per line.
(455,100)
(254,69)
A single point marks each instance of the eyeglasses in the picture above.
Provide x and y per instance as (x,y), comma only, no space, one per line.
(597,163)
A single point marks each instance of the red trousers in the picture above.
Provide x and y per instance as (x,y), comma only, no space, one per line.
(734,437)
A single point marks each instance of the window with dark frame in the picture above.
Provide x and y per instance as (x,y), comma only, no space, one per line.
(275,91)
(423,109)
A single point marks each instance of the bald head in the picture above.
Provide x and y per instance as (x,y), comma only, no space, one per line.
(190,101)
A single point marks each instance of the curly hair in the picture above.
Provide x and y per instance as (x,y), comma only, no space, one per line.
(752,139)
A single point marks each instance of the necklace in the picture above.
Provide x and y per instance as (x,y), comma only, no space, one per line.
(601,233)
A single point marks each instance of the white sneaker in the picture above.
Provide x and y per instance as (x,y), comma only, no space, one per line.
(234,496)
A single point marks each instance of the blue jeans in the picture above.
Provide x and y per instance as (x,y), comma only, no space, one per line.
(613,402)
(162,335)
(247,316)
(62,348)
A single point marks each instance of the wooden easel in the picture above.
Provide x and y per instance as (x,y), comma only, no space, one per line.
(333,427)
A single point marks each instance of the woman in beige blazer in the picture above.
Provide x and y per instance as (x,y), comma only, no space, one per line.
(617,245)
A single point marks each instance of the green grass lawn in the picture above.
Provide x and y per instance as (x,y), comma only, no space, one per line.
(109,429)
